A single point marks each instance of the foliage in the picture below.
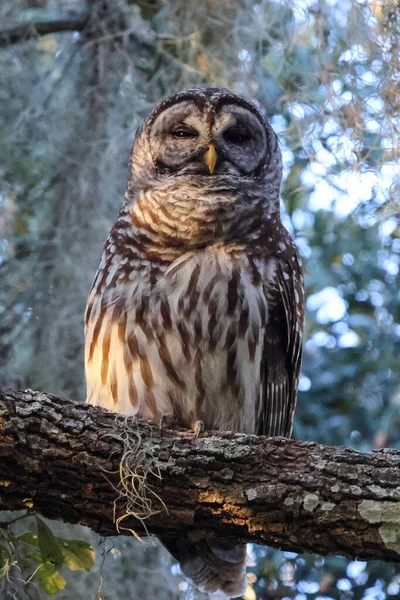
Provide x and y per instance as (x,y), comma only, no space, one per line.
(51,555)
(327,75)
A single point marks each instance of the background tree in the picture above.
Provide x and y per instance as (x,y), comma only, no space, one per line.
(327,75)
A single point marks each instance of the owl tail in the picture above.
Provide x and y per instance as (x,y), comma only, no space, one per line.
(216,567)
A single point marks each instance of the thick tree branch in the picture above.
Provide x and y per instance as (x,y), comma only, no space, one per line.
(62,459)
(27,31)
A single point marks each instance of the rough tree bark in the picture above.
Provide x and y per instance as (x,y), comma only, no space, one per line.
(62,459)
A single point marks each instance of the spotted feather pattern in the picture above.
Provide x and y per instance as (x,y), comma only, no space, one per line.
(179,337)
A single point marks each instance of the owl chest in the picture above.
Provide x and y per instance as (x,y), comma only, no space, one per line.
(201,329)
(203,303)
(187,342)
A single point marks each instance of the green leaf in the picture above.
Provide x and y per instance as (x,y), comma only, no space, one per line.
(50,579)
(35,555)
(77,554)
(49,547)
(29,538)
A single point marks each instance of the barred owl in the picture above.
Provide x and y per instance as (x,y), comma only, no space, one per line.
(196,310)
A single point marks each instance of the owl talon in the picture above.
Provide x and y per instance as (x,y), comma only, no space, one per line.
(167,422)
(198,427)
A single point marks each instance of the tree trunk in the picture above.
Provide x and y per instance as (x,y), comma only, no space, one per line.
(85,465)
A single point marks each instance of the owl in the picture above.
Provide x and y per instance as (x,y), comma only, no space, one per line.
(195,315)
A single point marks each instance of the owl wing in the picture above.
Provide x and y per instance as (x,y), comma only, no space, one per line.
(281,360)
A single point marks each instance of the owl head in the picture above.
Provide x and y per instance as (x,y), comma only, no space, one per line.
(208,137)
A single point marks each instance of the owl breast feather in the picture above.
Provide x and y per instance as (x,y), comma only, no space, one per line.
(187,345)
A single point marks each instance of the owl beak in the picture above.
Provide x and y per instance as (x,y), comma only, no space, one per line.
(210,158)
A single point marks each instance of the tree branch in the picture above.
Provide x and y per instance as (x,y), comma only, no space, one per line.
(62,459)
(27,31)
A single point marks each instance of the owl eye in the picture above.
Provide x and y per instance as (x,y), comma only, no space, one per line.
(184,132)
(236,135)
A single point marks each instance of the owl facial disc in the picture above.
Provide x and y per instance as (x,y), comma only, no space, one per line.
(212,135)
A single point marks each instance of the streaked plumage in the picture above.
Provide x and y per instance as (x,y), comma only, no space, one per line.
(196,311)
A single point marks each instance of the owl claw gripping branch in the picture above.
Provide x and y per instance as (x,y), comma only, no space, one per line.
(196,310)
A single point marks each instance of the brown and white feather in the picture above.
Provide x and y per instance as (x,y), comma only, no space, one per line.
(196,310)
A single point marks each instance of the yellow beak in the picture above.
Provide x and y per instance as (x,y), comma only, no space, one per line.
(210,158)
